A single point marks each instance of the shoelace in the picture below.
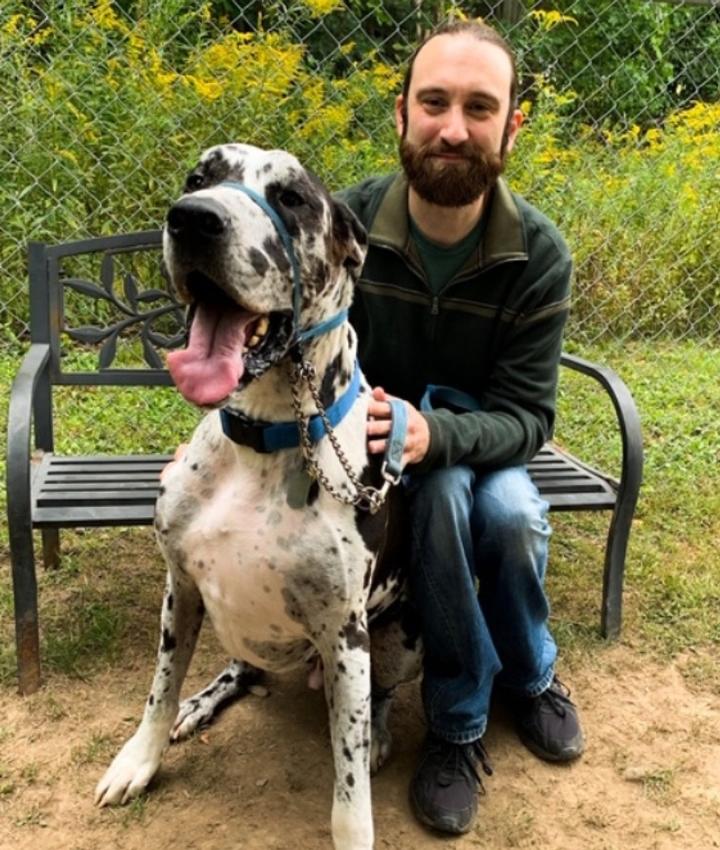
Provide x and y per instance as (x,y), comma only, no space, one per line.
(466,756)
(557,697)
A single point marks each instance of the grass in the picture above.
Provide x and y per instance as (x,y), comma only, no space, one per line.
(105,598)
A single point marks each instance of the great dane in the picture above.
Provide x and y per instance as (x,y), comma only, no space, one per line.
(273,522)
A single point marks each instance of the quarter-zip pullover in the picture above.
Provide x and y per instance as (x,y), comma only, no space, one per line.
(494,330)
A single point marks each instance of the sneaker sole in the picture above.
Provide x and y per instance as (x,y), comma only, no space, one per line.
(445,825)
(572,752)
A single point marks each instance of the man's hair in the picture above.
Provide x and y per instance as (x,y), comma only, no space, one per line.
(479,31)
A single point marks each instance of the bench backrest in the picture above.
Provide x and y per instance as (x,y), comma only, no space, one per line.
(105,308)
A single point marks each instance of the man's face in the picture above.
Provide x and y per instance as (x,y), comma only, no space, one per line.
(456,127)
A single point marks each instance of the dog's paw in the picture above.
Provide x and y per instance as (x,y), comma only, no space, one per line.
(194,714)
(380,748)
(129,774)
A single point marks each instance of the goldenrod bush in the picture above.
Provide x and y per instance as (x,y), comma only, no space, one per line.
(104,110)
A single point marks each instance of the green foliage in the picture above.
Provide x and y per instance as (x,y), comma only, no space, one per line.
(112,102)
(630,62)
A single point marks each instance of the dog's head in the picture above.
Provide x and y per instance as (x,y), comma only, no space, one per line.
(227,260)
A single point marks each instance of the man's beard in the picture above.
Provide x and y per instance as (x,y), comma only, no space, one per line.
(450,183)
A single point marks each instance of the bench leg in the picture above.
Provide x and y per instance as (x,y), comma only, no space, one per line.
(614,574)
(27,633)
(51,548)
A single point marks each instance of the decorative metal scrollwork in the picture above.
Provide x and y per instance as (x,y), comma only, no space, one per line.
(137,313)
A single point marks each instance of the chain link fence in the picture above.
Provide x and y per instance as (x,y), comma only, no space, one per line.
(105,105)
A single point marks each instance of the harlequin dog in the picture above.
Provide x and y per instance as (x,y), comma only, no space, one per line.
(287,565)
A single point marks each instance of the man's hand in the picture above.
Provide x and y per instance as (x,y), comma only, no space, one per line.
(417,441)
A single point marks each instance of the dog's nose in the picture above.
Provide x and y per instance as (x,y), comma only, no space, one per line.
(199,217)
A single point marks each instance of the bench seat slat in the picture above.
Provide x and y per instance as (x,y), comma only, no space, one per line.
(103,497)
(97,490)
(89,516)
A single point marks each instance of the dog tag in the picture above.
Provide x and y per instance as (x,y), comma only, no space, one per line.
(298,489)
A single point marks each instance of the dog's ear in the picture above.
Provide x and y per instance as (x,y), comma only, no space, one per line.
(349,236)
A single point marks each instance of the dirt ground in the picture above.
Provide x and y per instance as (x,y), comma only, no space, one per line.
(260,779)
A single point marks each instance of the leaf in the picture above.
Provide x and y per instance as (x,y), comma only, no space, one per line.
(107,352)
(107,273)
(131,290)
(86,288)
(164,341)
(152,358)
(152,295)
(88,333)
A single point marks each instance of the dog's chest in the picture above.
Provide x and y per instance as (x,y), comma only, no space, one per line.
(267,572)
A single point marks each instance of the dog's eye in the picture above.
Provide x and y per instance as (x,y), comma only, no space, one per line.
(194,182)
(288,198)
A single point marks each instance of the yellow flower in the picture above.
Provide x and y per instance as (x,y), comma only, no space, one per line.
(318,8)
(550,19)
(104,16)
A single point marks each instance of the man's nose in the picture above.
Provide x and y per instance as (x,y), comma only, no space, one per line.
(454,129)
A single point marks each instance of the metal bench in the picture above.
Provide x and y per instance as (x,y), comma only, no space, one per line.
(47,491)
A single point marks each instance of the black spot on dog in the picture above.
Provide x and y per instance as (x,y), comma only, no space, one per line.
(313,494)
(274,248)
(168,641)
(320,274)
(350,779)
(356,637)
(259,261)
(151,700)
(170,601)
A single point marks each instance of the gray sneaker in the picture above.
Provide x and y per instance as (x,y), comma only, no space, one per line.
(444,790)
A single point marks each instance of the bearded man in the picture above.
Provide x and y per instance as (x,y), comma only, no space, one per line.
(467,286)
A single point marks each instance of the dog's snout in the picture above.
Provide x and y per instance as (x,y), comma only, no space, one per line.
(198,217)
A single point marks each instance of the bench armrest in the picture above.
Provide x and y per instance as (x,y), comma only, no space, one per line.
(628,420)
(628,488)
(20,414)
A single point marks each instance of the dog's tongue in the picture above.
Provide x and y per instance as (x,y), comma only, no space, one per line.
(208,370)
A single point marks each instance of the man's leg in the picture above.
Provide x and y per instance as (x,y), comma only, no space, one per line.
(510,537)
(460,661)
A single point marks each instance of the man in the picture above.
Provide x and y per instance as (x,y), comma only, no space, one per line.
(466,285)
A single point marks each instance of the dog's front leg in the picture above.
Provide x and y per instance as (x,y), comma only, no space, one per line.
(347,689)
(136,764)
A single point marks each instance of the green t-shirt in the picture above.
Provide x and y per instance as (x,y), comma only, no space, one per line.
(442,262)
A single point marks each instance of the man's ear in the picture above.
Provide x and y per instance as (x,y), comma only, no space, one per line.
(349,236)
(400,115)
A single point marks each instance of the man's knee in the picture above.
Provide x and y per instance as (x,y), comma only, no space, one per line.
(446,492)
(509,510)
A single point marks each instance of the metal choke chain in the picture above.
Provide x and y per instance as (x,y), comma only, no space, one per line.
(368,498)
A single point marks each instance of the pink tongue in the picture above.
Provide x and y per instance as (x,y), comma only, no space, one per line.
(208,370)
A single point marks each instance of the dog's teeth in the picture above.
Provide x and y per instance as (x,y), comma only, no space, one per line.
(262,326)
(254,340)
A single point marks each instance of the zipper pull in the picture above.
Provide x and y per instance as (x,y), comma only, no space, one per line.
(435,306)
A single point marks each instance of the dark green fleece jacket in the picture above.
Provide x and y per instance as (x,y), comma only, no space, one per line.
(494,330)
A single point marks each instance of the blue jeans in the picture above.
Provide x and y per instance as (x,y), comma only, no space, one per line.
(479,555)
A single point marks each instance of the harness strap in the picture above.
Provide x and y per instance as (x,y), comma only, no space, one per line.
(392,462)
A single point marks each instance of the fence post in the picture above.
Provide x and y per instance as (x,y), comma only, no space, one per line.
(511,11)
